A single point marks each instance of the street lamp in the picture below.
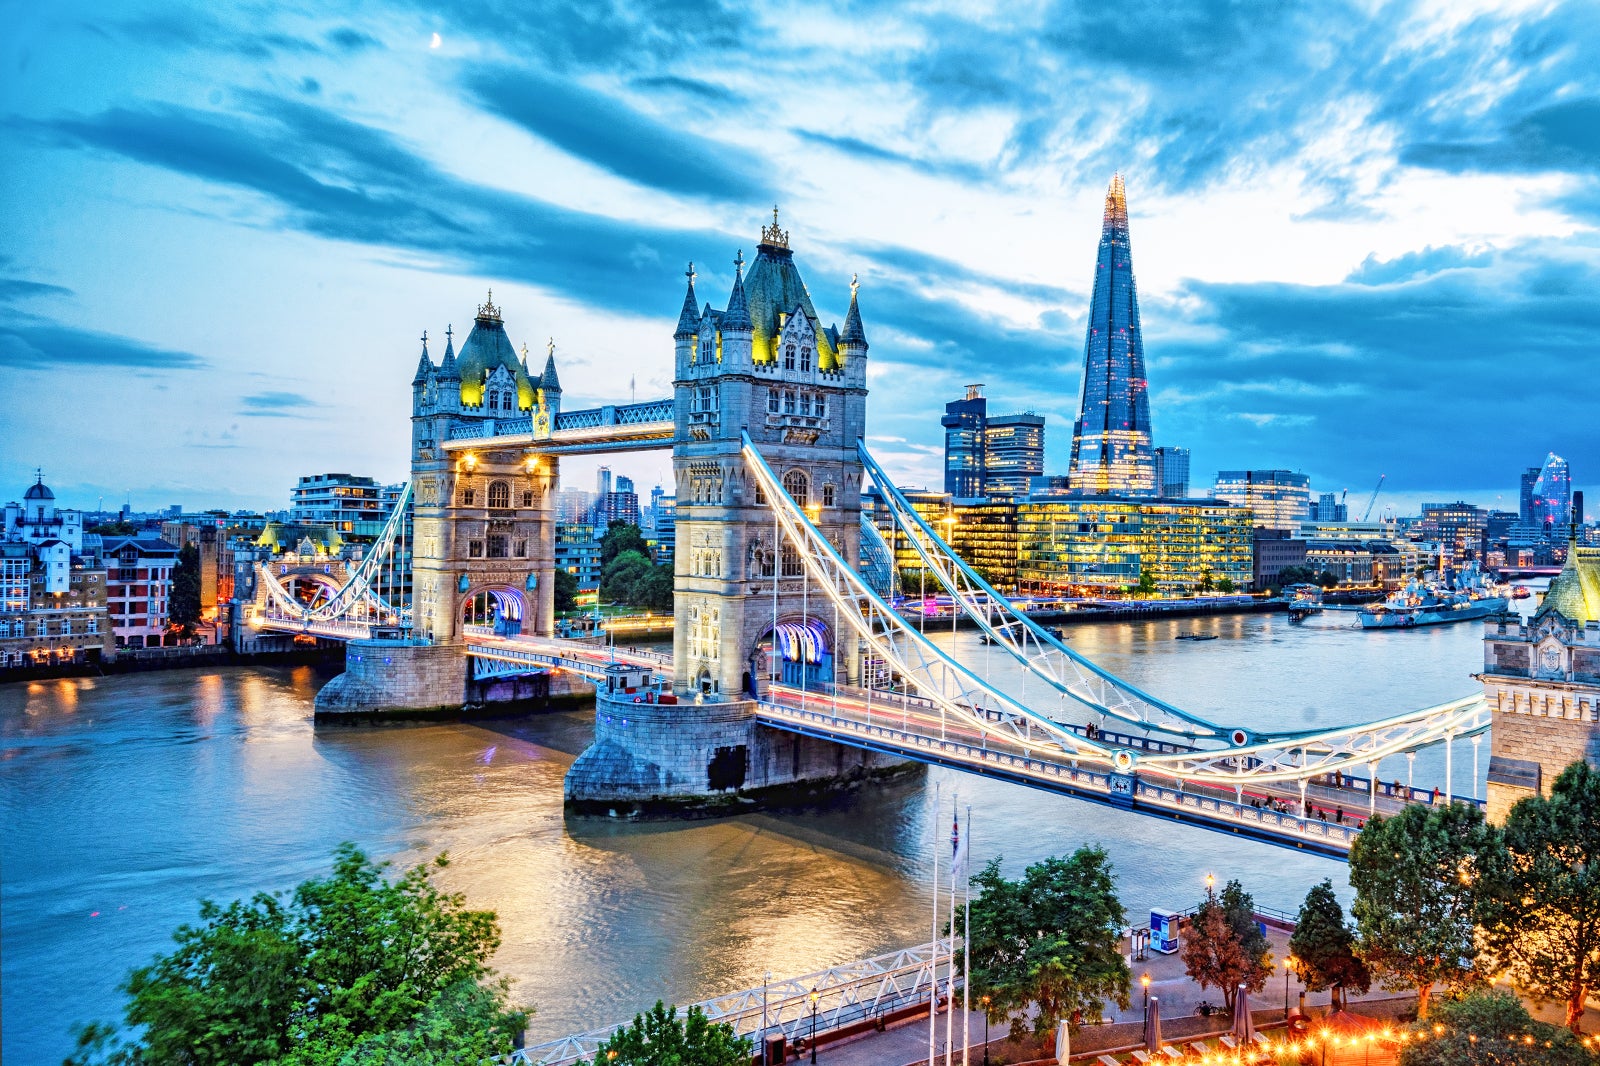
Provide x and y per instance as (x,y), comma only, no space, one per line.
(1211,883)
(985,1001)
(813,1026)
(1144,983)
(1288,964)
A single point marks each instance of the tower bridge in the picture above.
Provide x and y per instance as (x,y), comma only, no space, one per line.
(791,672)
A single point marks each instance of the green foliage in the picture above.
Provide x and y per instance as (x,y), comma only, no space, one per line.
(1324,946)
(1147,583)
(1416,877)
(619,538)
(1207,583)
(1328,579)
(183,605)
(632,578)
(1049,940)
(659,1038)
(351,961)
(114,529)
(566,590)
(1488,1028)
(1540,916)
(1297,575)
(1225,584)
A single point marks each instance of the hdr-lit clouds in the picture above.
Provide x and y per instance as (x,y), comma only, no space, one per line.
(1365,234)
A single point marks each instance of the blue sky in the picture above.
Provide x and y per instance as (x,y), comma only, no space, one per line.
(1365,234)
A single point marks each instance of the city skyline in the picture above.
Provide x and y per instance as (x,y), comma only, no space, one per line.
(223,213)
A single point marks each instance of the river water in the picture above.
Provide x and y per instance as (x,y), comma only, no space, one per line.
(127,799)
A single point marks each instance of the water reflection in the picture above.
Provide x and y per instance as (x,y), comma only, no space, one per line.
(126,799)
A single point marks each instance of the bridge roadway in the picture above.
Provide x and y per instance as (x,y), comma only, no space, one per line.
(912,728)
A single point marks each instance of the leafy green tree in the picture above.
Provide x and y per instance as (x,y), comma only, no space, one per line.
(1206,581)
(1225,584)
(619,538)
(1541,911)
(1297,575)
(1416,876)
(1328,579)
(465,1024)
(1147,583)
(1323,947)
(1488,1027)
(1049,940)
(183,604)
(346,962)
(621,578)
(566,591)
(659,1037)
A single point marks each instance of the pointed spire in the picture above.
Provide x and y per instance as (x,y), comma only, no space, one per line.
(524,357)
(738,313)
(1116,205)
(689,317)
(548,380)
(853,333)
(424,365)
(448,368)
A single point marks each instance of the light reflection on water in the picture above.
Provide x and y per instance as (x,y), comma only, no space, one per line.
(136,795)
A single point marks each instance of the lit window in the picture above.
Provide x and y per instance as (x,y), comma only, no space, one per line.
(499,494)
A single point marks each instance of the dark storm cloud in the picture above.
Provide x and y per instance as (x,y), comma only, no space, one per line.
(607,132)
(36,344)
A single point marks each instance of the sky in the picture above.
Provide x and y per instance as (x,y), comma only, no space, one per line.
(1365,235)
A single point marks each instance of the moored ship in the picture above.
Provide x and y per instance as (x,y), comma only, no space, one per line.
(1426,604)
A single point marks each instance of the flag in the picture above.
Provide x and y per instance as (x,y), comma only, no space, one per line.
(958,851)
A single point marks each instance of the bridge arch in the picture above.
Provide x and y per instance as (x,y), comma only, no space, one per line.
(804,650)
(498,607)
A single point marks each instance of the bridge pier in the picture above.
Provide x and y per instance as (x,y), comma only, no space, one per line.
(672,759)
(394,679)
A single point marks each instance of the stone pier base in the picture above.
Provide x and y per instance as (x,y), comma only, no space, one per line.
(390,679)
(671,760)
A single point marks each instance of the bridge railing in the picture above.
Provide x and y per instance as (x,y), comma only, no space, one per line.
(853,992)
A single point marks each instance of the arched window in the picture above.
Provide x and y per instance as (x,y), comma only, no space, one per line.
(805,358)
(499,494)
(827,494)
(794,483)
(788,357)
(792,567)
(707,348)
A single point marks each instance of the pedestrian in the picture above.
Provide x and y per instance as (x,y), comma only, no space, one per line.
(1339,815)
(1436,795)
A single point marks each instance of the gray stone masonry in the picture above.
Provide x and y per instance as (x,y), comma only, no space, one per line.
(388,676)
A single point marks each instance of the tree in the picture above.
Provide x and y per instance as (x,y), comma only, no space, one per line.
(1206,583)
(347,962)
(1328,579)
(621,537)
(621,577)
(659,1038)
(1225,584)
(1323,946)
(1049,940)
(1147,583)
(1488,1027)
(1416,876)
(566,590)
(1541,911)
(183,605)
(1224,947)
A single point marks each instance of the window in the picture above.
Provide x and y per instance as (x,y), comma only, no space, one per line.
(788,401)
(475,549)
(772,402)
(791,562)
(704,398)
(820,406)
(94,625)
(805,358)
(468,496)
(805,403)
(794,483)
(527,498)
(761,495)
(522,549)
(499,494)
(497,546)
(788,357)
(827,494)
(707,348)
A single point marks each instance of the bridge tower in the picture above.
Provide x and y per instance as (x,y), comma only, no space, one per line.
(767,366)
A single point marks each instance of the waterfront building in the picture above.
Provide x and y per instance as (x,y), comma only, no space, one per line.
(1013,454)
(348,503)
(1278,499)
(578,552)
(1111,445)
(964,421)
(139,589)
(1551,510)
(1172,472)
(52,589)
(1542,680)
(1080,544)
(1457,528)
(936,508)
(1275,550)
(665,511)
(984,535)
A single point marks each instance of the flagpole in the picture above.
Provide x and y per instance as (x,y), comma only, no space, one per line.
(966,946)
(950,967)
(933,958)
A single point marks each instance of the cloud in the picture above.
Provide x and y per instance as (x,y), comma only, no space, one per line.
(278,405)
(703,91)
(615,137)
(14,289)
(348,39)
(1412,265)
(1564,136)
(873,153)
(35,344)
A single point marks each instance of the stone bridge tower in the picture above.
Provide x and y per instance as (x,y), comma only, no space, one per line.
(767,366)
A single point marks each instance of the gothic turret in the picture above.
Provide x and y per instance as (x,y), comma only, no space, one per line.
(689,317)
(735,322)
(853,338)
(549,382)
(448,370)
(424,365)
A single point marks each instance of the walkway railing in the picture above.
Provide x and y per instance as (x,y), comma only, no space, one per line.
(854,992)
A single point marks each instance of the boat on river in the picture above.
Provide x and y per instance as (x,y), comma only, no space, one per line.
(1462,599)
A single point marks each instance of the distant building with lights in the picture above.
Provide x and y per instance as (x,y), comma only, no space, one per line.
(52,588)
(990,456)
(1458,529)
(1279,499)
(1172,472)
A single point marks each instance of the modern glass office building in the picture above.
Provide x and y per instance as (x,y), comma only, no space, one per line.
(1111,446)
(1013,454)
(1279,499)
(963,423)
(1172,472)
(1552,497)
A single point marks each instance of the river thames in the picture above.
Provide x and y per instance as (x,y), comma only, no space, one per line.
(127,799)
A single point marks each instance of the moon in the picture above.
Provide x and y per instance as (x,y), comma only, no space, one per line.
(436,42)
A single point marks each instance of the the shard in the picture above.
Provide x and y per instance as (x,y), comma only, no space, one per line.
(1111,449)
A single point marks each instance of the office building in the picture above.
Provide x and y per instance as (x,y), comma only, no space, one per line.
(1112,452)
(350,504)
(984,535)
(1013,454)
(665,520)
(52,588)
(1530,477)
(964,421)
(1076,545)
(1278,499)
(1275,550)
(578,552)
(1457,528)
(1327,508)
(602,481)
(1552,498)
(1172,472)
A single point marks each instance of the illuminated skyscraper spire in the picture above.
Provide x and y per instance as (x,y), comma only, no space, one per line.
(1111,450)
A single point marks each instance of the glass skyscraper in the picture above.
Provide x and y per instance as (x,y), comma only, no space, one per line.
(1552,497)
(1111,446)
(964,421)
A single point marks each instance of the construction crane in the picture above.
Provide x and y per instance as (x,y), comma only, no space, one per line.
(1368,513)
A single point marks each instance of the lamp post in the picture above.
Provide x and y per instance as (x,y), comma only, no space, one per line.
(1288,964)
(1211,884)
(1144,983)
(813,1026)
(985,1001)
